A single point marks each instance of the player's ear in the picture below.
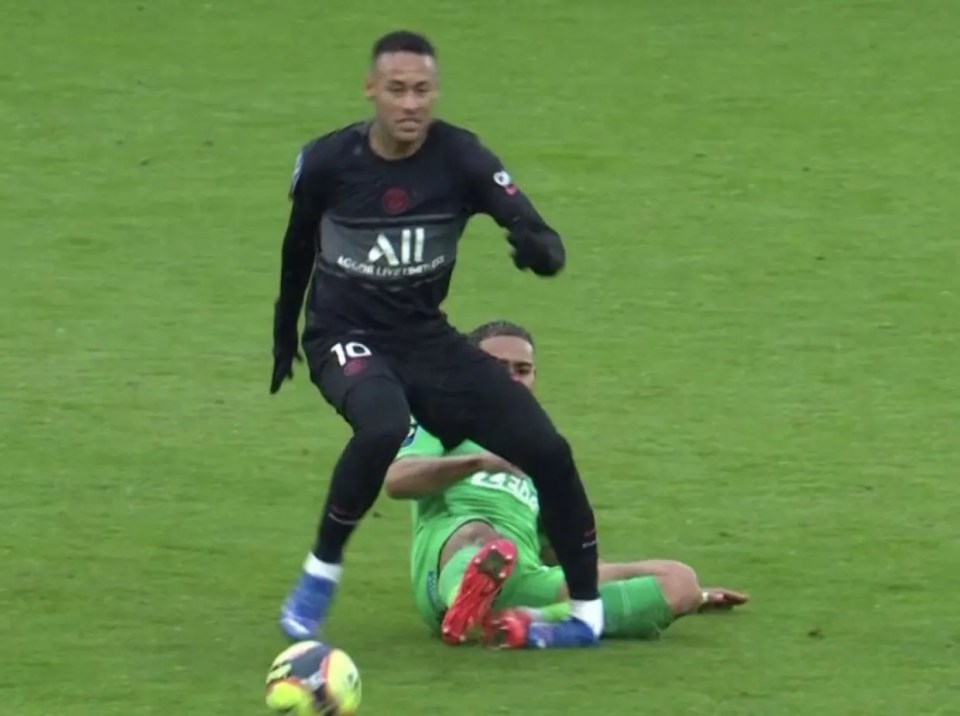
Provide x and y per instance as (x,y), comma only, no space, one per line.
(369,85)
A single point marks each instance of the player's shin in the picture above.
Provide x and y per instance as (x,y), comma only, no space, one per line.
(380,419)
(356,482)
(635,609)
(570,526)
(378,413)
(349,498)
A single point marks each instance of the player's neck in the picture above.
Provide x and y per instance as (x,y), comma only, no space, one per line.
(385,146)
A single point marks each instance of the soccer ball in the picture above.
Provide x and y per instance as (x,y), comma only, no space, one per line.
(311,678)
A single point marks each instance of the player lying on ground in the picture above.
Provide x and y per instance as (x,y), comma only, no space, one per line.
(378,210)
(477,543)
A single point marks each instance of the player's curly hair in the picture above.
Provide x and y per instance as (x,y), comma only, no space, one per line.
(494,329)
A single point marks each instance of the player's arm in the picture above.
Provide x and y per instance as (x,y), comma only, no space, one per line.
(491,191)
(299,242)
(296,263)
(411,478)
(422,468)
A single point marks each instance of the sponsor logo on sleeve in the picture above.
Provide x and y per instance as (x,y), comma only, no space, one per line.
(502,178)
(408,441)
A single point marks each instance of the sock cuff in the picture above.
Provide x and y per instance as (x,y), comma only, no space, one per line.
(324,570)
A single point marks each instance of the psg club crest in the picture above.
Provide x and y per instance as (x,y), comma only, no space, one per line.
(396,200)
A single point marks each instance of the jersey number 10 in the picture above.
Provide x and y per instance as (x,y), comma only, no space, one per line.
(349,351)
(411,248)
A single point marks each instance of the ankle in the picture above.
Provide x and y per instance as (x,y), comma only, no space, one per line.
(322,570)
(590,613)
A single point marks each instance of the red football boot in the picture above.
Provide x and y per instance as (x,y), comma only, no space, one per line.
(507,629)
(481,584)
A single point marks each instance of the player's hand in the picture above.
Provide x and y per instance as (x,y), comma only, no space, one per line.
(283,357)
(539,250)
(285,339)
(722,598)
(494,463)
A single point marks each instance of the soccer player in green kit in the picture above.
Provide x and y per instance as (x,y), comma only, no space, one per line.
(480,561)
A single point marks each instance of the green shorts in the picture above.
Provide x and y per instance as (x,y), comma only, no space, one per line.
(532,584)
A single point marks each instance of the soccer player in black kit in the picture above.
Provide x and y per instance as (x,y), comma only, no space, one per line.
(378,211)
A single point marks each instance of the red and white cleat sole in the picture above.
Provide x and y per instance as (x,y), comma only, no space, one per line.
(481,583)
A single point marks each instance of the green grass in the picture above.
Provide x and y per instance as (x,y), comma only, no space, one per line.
(754,351)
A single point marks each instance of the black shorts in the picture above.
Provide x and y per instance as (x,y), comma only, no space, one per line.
(448,382)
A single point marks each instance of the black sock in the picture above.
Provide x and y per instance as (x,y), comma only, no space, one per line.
(377,410)
(569,524)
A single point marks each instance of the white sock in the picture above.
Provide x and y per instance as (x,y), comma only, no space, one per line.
(324,570)
(590,613)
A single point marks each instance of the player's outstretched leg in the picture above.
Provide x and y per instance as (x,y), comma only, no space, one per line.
(637,608)
(506,419)
(486,571)
(378,413)
(634,607)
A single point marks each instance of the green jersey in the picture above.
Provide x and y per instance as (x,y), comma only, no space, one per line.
(509,503)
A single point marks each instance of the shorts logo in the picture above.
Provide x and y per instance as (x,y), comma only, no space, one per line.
(502,178)
(354,366)
(396,200)
(408,441)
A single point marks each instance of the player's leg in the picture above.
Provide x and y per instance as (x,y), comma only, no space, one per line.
(429,558)
(640,599)
(678,582)
(637,607)
(681,585)
(478,399)
(362,387)
(475,562)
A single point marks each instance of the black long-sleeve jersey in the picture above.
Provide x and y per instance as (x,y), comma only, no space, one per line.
(380,236)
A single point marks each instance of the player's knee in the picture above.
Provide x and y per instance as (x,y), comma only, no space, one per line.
(679,571)
(547,453)
(472,533)
(384,433)
(681,588)
(380,419)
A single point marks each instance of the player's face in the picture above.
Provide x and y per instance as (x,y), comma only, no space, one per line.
(403,88)
(516,354)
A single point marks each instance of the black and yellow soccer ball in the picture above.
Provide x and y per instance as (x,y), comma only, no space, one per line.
(311,678)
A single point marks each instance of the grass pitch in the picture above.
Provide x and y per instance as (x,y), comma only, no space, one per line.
(754,351)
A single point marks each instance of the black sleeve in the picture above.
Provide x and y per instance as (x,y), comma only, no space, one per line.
(299,241)
(491,191)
